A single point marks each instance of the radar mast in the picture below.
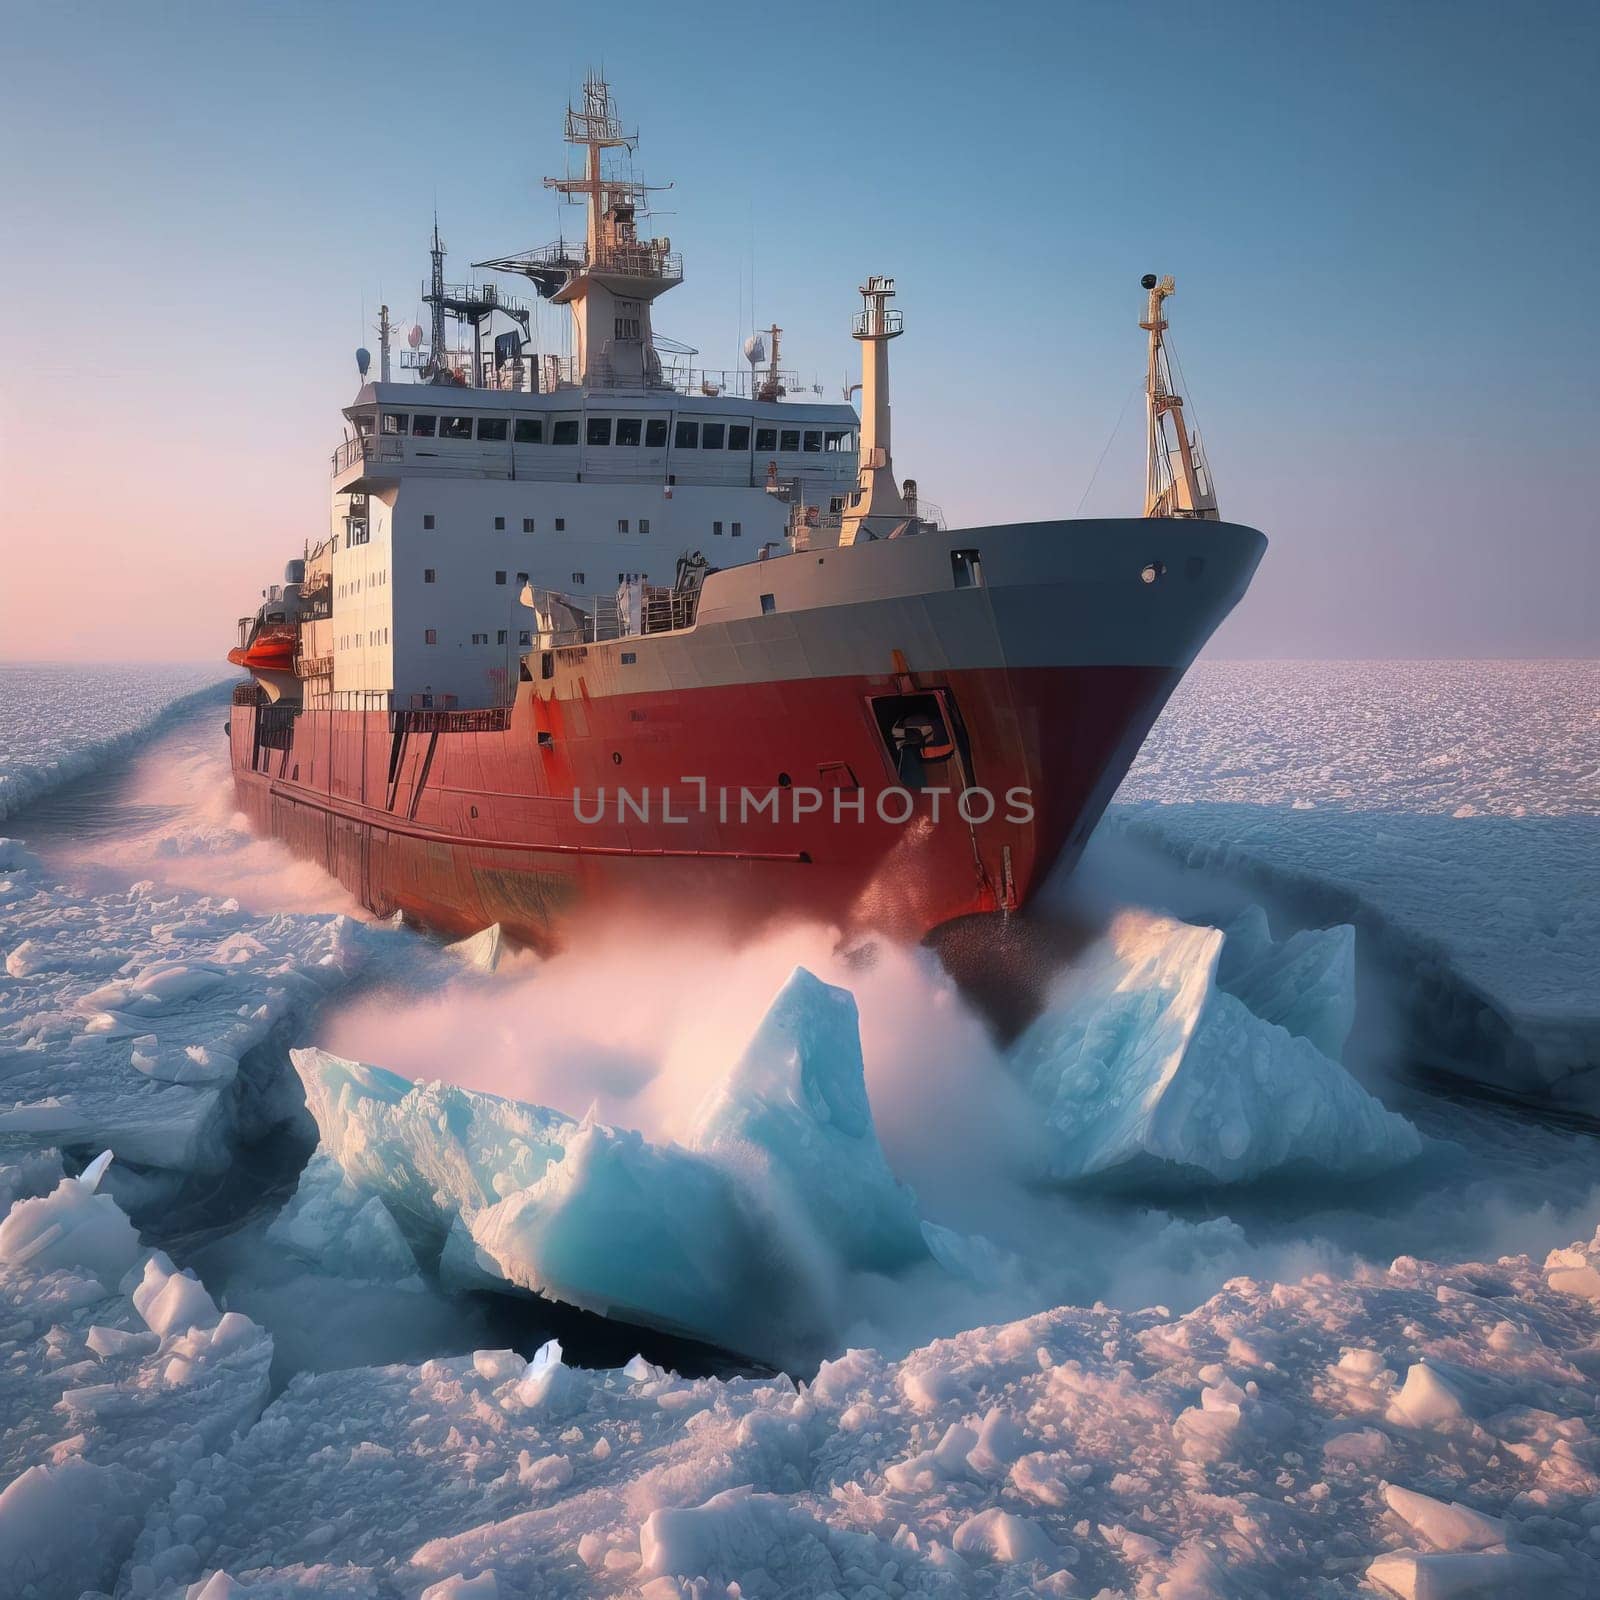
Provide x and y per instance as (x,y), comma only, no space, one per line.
(610,283)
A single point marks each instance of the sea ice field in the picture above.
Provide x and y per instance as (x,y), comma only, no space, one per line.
(1259,1257)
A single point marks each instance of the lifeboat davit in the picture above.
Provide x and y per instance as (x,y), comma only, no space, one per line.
(267,652)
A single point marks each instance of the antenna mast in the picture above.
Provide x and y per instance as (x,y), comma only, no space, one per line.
(1177,480)
(611,284)
(435,300)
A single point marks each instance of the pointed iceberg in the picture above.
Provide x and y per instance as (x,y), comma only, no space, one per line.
(795,1107)
(1143,1064)
(1306,983)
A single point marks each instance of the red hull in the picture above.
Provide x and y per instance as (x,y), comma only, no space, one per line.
(464,820)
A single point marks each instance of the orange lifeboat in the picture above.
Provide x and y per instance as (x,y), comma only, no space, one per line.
(267,652)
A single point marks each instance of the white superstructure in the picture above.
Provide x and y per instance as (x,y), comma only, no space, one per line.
(581,475)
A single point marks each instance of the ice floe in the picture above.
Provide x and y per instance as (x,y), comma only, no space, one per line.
(1142,1061)
(129,1020)
(120,1374)
(1456,822)
(740,1237)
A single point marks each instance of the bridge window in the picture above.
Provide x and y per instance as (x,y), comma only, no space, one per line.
(392,422)
(836,439)
(565,431)
(599,430)
(967,568)
(711,436)
(813,441)
(738,435)
(629,429)
(766,440)
(455,427)
(655,434)
(492,428)
(422,426)
(789,439)
(687,436)
(500,636)
(529,430)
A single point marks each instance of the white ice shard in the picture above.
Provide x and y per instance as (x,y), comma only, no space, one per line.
(480,951)
(71,1227)
(1142,1062)
(796,1102)
(343,1229)
(432,1151)
(1306,983)
(121,1375)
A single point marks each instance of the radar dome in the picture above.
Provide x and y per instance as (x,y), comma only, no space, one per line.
(755,349)
(414,336)
(363,360)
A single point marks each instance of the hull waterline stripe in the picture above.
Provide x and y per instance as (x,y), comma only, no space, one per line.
(383,822)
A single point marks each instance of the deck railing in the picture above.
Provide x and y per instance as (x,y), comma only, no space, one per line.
(387,447)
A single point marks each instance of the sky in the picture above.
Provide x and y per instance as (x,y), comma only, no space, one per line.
(1381,217)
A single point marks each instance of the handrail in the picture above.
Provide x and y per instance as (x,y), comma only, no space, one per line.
(386,447)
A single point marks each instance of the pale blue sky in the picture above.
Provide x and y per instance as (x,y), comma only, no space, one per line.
(1381,219)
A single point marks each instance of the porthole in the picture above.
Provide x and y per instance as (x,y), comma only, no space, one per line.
(784,780)
(1152,570)
(616,758)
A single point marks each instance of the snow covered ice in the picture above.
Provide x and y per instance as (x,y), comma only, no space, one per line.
(129,1020)
(1254,1446)
(1451,810)
(1325,1412)
(120,1373)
